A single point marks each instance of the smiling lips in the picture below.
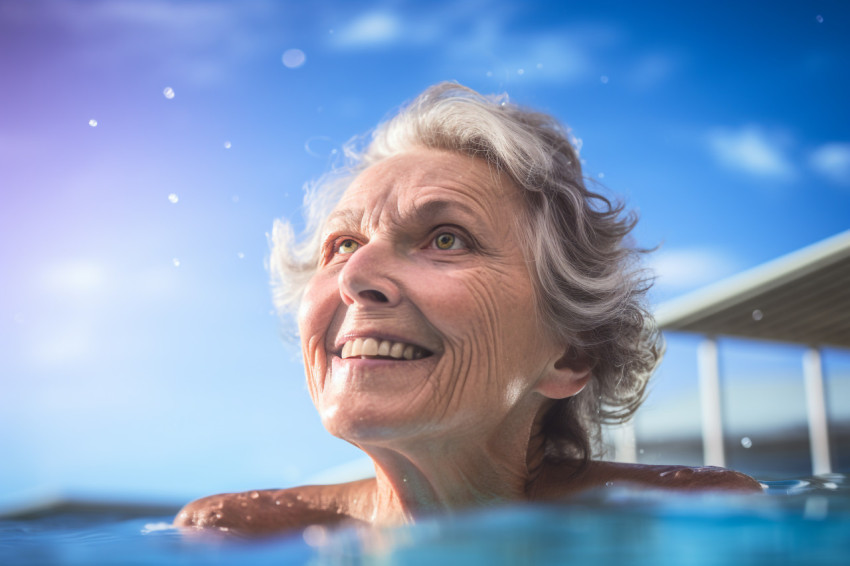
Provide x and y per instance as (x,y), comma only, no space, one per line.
(371,348)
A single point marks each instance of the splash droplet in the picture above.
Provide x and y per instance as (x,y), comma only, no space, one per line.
(604,79)
(819,18)
(293,58)
(173,198)
(176,262)
(93,123)
(757,315)
(227,145)
(746,442)
(168,92)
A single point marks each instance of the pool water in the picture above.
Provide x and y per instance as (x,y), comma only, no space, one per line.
(804,522)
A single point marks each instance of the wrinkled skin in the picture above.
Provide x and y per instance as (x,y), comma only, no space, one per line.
(423,250)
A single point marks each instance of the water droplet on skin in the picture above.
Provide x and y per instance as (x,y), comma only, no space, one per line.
(173,198)
(227,145)
(293,58)
(255,494)
(176,262)
(819,18)
(746,442)
(93,123)
(240,255)
(168,92)
(289,504)
(298,497)
(277,501)
(218,515)
(604,79)
(244,504)
(247,517)
(223,529)
(757,315)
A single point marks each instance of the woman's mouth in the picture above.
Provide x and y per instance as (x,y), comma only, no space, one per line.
(372,348)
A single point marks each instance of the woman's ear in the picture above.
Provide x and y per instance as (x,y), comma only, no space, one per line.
(566,376)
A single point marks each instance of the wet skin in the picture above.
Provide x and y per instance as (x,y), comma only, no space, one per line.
(422,347)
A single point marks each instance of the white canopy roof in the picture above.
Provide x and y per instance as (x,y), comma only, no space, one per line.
(803,297)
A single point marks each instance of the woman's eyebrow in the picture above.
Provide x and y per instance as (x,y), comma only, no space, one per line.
(345,217)
(429,210)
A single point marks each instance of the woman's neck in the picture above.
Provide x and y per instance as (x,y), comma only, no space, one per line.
(425,477)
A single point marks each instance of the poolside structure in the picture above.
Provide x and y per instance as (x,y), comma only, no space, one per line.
(801,298)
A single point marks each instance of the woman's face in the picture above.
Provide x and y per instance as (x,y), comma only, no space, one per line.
(421,319)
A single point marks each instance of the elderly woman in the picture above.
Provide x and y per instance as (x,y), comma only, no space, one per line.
(470,314)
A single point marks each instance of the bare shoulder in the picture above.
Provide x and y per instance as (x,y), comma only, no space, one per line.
(567,478)
(275,510)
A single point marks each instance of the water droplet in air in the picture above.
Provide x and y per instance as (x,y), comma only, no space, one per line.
(609,483)
(93,123)
(173,198)
(176,262)
(746,442)
(227,145)
(168,92)
(604,79)
(293,58)
(240,255)
(602,175)
(819,18)
(489,73)
(757,315)
(520,71)
(539,65)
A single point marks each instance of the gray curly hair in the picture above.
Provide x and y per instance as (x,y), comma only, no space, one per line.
(590,287)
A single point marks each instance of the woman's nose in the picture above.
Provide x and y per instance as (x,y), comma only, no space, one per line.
(367,277)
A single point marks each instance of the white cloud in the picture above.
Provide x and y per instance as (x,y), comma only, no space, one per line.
(753,151)
(833,162)
(688,268)
(74,277)
(372,29)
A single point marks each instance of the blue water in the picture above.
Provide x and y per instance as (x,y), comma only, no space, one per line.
(804,522)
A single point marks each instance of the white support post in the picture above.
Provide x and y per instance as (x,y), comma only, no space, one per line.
(712,416)
(816,410)
(625,445)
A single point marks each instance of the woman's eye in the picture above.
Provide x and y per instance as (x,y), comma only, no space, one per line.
(347,246)
(448,241)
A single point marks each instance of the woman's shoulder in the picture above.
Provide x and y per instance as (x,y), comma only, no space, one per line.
(275,510)
(565,478)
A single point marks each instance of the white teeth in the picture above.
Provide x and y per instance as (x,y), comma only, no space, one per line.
(370,347)
(385,348)
(397,350)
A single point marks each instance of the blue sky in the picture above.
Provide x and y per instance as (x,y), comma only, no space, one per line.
(139,355)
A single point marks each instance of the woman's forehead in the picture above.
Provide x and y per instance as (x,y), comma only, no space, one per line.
(425,183)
